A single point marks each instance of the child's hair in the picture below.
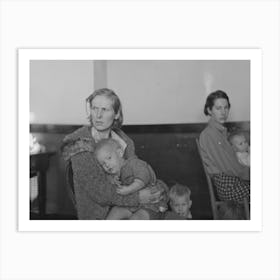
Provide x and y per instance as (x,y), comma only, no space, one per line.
(234,134)
(179,190)
(109,142)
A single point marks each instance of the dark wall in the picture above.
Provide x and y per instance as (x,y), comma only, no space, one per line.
(169,149)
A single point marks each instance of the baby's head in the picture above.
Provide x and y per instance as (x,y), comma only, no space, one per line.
(109,154)
(238,142)
(180,201)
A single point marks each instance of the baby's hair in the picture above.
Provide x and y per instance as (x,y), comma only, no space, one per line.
(234,134)
(179,190)
(109,142)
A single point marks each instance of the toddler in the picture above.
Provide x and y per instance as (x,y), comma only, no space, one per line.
(241,147)
(129,175)
(180,203)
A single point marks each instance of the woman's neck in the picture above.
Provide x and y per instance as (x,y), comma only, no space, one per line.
(104,134)
(98,135)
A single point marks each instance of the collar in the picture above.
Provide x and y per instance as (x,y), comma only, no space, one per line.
(113,135)
(217,125)
(116,137)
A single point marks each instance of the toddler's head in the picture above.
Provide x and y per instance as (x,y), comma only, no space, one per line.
(109,154)
(180,201)
(239,142)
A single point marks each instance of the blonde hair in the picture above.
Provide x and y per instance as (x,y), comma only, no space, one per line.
(108,142)
(234,134)
(179,190)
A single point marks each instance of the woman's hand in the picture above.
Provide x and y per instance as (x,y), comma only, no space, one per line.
(149,195)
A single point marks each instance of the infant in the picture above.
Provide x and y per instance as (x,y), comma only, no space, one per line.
(129,175)
(241,147)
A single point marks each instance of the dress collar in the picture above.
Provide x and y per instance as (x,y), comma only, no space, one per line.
(116,137)
(217,125)
(113,135)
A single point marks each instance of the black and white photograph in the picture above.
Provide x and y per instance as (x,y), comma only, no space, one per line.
(139,139)
(142,139)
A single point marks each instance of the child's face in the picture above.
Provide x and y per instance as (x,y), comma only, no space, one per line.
(181,205)
(240,143)
(110,159)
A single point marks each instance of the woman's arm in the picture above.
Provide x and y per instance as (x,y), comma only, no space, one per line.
(218,156)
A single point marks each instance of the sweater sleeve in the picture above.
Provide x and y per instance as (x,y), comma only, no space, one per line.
(207,157)
(90,177)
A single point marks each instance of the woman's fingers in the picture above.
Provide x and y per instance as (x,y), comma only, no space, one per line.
(155,197)
(154,189)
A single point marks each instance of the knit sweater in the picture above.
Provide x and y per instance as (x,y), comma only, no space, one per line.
(94,193)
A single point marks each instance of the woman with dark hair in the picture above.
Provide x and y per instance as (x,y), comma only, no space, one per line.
(231,179)
(94,192)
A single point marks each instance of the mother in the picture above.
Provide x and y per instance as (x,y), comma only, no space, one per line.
(94,194)
(231,179)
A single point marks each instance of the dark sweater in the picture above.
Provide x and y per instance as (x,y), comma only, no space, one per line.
(93,192)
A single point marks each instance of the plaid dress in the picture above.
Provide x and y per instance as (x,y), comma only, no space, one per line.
(231,187)
(230,178)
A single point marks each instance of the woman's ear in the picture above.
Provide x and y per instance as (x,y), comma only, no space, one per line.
(190,203)
(209,111)
(117,116)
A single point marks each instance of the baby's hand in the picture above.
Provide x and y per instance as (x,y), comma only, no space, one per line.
(115,180)
(123,190)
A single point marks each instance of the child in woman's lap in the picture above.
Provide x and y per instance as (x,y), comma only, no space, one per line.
(129,175)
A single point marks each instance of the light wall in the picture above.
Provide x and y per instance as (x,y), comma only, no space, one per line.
(155,92)
(58,90)
(152,92)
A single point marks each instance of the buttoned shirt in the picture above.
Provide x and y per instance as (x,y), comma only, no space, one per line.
(217,153)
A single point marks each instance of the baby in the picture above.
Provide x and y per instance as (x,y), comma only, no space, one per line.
(180,203)
(241,147)
(129,175)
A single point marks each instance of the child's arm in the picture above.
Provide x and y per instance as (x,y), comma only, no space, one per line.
(135,186)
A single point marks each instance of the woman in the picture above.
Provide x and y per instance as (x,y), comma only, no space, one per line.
(94,193)
(231,179)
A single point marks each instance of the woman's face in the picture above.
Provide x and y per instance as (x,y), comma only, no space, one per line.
(102,113)
(220,110)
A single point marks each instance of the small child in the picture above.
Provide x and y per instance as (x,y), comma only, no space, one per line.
(180,203)
(241,147)
(129,175)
